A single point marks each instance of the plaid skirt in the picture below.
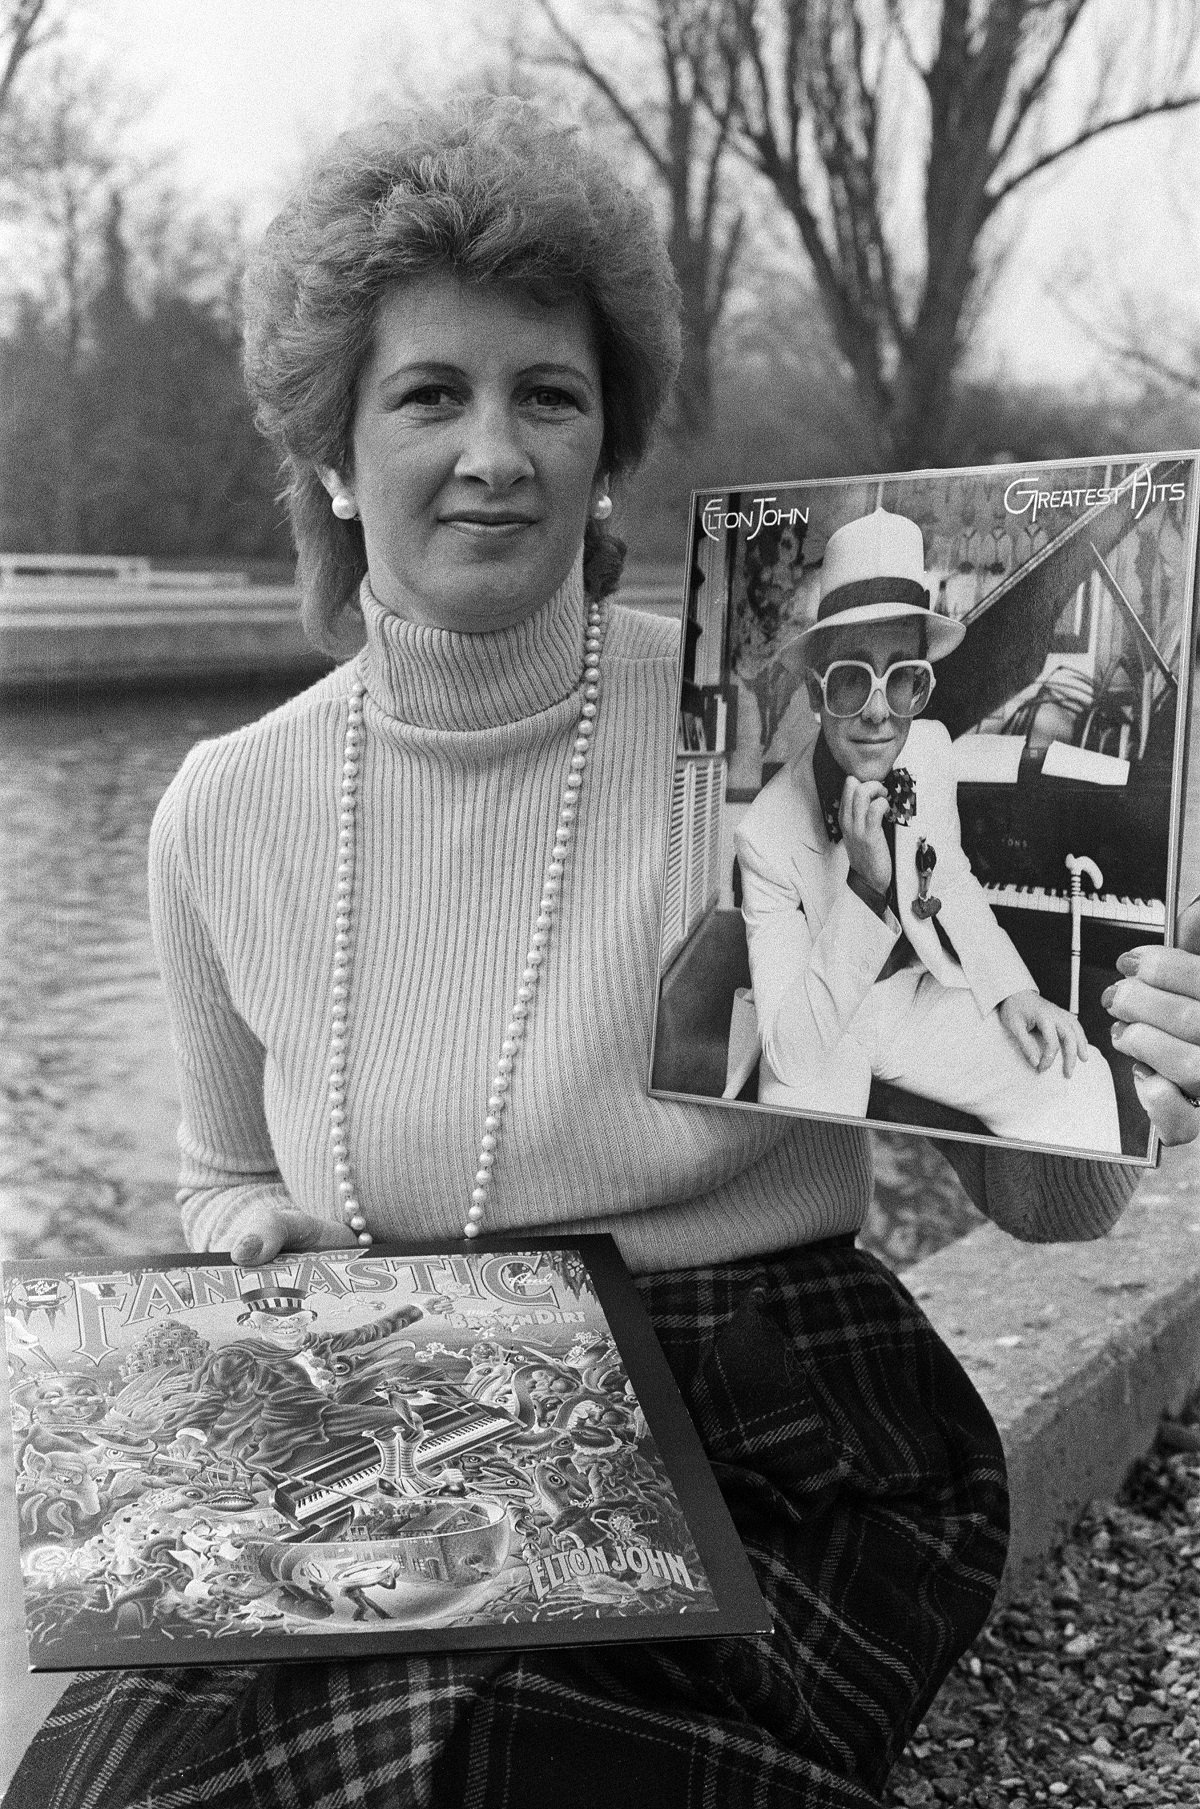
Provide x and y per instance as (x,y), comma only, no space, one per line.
(867,1483)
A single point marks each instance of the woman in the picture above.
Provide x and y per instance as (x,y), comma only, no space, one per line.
(408,926)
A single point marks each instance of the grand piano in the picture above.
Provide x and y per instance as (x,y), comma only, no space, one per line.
(319,1499)
(1109,798)
(1084,761)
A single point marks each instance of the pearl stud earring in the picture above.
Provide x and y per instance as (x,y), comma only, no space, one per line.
(344,507)
(603,508)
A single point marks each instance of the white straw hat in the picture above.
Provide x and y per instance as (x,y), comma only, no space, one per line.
(874,571)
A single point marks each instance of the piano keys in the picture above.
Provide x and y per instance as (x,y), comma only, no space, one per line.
(1025,806)
(455,1429)
(1148,914)
(323,1494)
(1018,836)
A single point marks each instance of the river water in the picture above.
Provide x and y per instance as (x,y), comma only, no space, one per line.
(89,1155)
(88,1152)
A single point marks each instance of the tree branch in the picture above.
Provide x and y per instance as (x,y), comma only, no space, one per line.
(1175,374)
(725,268)
(1128,347)
(1151,110)
(1035,87)
(21,31)
(900,27)
(579,63)
(888,294)
(752,50)
(711,186)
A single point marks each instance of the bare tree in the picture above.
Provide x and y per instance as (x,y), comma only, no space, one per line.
(69,128)
(1151,336)
(24,25)
(1161,349)
(893,132)
(686,145)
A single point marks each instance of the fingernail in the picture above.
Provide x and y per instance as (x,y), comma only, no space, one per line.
(1107,996)
(248,1250)
(1142,1072)
(1129,962)
(1118,1031)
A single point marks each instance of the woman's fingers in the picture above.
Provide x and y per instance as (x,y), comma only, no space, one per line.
(1141,1001)
(1157,1007)
(269,1229)
(1172,969)
(1176,1059)
(306,1232)
(1174,1118)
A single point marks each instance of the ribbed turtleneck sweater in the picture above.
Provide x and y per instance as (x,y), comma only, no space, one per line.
(467,739)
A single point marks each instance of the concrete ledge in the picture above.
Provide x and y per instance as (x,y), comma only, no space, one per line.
(154,647)
(1077,1349)
(59,640)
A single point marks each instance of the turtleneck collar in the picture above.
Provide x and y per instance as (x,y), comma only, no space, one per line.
(435,678)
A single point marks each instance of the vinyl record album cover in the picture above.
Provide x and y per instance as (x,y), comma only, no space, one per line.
(929,788)
(351,1452)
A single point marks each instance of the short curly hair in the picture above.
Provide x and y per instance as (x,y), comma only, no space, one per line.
(491,190)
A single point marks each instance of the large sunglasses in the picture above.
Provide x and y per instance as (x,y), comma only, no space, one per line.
(846,687)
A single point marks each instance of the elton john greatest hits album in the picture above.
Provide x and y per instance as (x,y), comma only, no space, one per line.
(345,1454)
(929,786)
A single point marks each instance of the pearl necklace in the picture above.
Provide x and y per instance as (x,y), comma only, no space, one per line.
(535,957)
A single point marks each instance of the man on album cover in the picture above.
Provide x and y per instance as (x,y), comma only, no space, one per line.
(873,949)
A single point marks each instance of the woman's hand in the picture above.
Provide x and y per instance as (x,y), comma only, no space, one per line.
(1041,1029)
(268,1229)
(1157,1005)
(861,812)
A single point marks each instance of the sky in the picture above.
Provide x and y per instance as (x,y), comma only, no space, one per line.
(240,89)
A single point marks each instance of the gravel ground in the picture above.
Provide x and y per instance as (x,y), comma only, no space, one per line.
(1085,1690)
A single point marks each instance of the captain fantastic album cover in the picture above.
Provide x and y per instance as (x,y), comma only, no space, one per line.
(345,1454)
(929,787)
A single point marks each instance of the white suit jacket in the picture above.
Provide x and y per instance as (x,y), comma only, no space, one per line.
(816,948)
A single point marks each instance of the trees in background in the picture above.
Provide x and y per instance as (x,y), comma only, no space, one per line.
(25,25)
(896,133)
(64,127)
(838,179)
(680,123)
(174,463)
(125,426)
(1152,338)
(852,173)
(24,28)
(896,136)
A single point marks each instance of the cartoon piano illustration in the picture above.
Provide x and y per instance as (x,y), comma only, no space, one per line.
(401,1459)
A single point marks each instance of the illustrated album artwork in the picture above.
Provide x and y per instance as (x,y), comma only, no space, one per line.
(351,1453)
(929,787)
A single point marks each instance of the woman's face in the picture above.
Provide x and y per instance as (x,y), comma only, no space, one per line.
(476,447)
